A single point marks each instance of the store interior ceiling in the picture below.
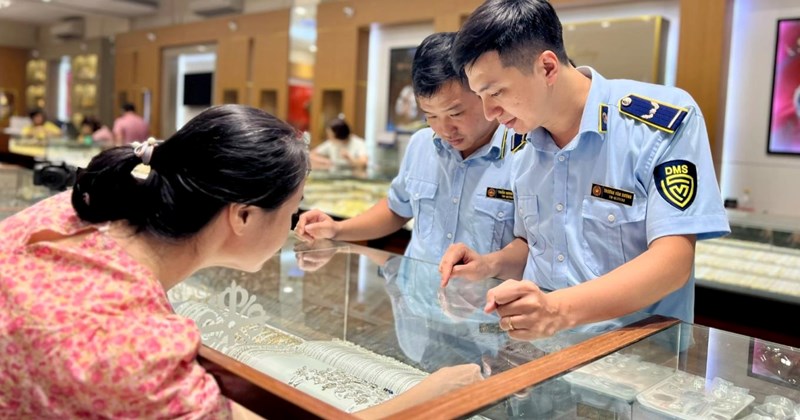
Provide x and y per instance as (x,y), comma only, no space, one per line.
(52,11)
(47,12)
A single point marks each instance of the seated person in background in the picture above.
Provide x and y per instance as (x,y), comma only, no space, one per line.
(454,179)
(92,132)
(341,151)
(40,128)
(85,325)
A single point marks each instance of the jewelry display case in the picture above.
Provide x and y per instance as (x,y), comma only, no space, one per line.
(343,195)
(761,256)
(755,269)
(336,328)
(711,374)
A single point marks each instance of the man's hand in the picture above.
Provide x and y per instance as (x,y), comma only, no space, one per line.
(461,261)
(313,260)
(525,311)
(314,225)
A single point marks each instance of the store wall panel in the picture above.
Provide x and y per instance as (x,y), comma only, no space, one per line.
(770,179)
(252,59)
(12,75)
(703,61)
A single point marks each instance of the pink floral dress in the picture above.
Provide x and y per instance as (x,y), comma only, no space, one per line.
(87,332)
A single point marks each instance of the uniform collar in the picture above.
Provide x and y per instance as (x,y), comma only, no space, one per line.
(490,151)
(590,119)
(598,96)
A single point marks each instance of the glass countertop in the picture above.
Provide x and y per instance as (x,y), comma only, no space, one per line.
(335,313)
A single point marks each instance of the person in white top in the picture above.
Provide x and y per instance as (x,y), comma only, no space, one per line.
(341,151)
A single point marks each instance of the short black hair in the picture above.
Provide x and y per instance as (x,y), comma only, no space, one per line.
(128,107)
(37,111)
(340,128)
(518,30)
(92,122)
(226,154)
(431,68)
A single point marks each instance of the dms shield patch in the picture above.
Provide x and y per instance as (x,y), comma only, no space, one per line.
(676,181)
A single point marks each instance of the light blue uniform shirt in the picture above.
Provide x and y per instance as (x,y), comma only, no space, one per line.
(448,199)
(573,235)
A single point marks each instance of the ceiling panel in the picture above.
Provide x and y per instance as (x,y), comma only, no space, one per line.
(40,12)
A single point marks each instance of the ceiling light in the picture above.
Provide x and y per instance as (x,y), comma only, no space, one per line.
(312,48)
(5,3)
(301,10)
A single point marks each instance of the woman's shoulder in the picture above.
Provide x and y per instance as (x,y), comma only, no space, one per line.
(54,213)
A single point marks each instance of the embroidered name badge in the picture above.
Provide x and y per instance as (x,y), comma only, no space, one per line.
(660,115)
(676,181)
(612,194)
(500,194)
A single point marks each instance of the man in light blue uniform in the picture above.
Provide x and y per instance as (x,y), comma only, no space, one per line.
(454,179)
(613,186)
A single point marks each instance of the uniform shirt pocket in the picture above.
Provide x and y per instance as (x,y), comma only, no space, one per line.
(528,208)
(422,194)
(494,216)
(612,234)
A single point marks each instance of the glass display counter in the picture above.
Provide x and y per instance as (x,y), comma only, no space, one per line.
(17,190)
(64,150)
(712,374)
(343,194)
(337,328)
(749,281)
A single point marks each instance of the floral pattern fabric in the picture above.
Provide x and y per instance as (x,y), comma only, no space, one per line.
(88,332)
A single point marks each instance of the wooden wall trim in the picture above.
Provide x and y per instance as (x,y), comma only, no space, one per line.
(474,397)
(703,52)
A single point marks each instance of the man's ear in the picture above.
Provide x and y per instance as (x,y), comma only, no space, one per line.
(550,64)
(238,217)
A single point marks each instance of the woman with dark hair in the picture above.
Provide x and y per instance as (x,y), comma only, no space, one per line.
(342,150)
(85,325)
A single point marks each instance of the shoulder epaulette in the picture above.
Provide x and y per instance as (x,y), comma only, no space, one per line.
(660,115)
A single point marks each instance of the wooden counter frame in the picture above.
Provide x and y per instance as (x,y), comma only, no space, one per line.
(272,399)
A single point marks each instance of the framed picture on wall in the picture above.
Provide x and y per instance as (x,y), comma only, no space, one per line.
(403,113)
(784,123)
(775,363)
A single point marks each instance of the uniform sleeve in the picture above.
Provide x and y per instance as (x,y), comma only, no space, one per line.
(399,198)
(138,368)
(683,196)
